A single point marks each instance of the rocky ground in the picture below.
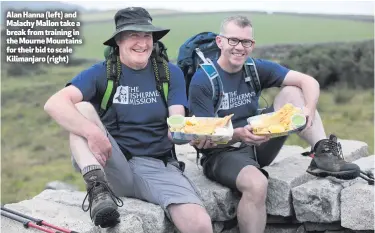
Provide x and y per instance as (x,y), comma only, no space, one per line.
(296,203)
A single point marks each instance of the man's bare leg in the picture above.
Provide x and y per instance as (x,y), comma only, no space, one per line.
(78,145)
(251,212)
(103,210)
(294,95)
(190,218)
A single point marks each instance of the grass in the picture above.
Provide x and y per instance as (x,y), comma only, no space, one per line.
(268,29)
(35,149)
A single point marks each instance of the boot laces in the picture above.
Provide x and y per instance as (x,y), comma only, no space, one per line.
(333,147)
(336,149)
(91,197)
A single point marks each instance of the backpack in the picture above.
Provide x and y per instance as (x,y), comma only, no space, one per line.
(159,59)
(198,52)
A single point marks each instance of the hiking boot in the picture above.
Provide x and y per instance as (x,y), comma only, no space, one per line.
(328,160)
(103,202)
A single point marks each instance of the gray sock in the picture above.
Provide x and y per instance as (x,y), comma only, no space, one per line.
(90,168)
(93,173)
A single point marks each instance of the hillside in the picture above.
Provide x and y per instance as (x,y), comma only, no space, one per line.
(294,29)
(97,16)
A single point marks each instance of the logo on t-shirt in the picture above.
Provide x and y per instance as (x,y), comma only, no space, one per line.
(232,100)
(121,95)
(132,95)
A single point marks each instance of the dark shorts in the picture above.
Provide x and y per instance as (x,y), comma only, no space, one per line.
(224,164)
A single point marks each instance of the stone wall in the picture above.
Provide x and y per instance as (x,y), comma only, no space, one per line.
(296,203)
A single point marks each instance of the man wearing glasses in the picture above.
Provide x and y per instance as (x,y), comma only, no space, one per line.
(238,165)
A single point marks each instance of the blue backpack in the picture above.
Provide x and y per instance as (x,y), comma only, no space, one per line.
(198,52)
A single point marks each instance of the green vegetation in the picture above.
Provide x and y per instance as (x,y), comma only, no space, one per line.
(268,29)
(350,64)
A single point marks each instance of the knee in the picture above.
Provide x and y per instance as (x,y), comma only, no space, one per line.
(289,94)
(202,223)
(253,184)
(190,219)
(90,113)
(289,90)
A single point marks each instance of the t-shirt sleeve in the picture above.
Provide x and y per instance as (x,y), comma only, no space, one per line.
(200,96)
(177,89)
(271,74)
(87,81)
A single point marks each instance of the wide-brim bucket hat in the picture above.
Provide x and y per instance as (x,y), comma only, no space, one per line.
(135,19)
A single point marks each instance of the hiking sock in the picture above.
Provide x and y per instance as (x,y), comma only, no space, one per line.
(93,173)
(86,170)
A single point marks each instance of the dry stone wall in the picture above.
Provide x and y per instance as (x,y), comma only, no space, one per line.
(296,203)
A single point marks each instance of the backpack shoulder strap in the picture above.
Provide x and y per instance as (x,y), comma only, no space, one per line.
(113,73)
(252,77)
(162,76)
(213,75)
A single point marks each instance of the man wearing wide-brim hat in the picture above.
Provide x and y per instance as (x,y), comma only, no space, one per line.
(127,152)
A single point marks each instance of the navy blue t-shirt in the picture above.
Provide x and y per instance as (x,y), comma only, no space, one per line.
(239,98)
(137,117)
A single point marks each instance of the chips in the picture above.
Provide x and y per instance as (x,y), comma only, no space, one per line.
(277,122)
(204,126)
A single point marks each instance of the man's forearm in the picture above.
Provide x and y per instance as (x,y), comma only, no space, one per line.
(66,115)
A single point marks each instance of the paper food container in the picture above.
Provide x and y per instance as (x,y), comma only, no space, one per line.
(300,123)
(221,136)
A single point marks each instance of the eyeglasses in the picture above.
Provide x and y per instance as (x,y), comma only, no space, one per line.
(234,41)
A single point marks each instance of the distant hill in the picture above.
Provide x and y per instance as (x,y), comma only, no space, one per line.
(37,6)
(107,15)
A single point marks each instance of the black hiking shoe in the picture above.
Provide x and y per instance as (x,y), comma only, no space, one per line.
(328,160)
(102,201)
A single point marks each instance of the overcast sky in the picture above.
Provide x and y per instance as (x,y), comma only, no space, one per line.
(326,7)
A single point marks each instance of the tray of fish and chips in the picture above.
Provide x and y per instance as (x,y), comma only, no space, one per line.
(287,120)
(185,129)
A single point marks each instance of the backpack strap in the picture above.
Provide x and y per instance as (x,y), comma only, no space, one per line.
(162,77)
(159,60)
(213,75)
(113,76)
(252,77)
